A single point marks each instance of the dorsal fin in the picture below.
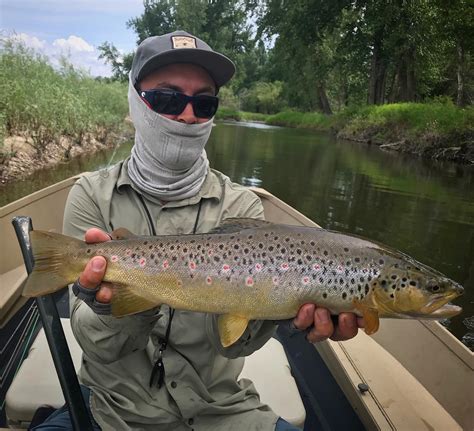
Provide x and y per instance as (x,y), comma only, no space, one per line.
(122,233)
(231,225)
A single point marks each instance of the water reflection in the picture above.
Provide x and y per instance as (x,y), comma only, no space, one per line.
(422,208)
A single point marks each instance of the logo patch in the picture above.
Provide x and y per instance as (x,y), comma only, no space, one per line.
(183,42)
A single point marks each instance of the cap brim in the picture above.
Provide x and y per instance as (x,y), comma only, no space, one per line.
(217,65)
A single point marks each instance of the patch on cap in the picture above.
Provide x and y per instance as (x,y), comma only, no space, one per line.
(183,42)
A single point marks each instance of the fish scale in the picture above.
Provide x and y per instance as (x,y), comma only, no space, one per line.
(250,269)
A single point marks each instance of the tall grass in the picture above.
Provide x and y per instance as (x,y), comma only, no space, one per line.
(44,104)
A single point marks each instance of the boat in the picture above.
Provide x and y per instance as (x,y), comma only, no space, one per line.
(410,375)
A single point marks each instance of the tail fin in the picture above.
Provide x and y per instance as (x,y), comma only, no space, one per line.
(52,270)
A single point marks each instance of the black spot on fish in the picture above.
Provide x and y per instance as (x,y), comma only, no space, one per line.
(172,247)
(199,246)
(321,280)
(394,286)
(392,296)
(260,245)
(344,295)
(217,258)
(381,261)
(357,259)
(352,281)
(341,281)
(250,236)
(133,255)
(156,261)
(404,279)
(185,250)
(412,283)
(275,238)
(145,242)
(266,235)
(152,256)
(246,250)
(403,285)
(88,250)
(300,262)
(236,258)
(287,239)
(228,278)
(352,291)
(283,250)
(308,257)
(232,237)
(221,246)
(383,282)
(330,281)
(348,262)
(346,249)
(150,247)
(312,243)
(174,258)
(292,246)
(367,288)
(264,254)
(394,277)
(359,287)
(325,295)
(325,253)
(298,250)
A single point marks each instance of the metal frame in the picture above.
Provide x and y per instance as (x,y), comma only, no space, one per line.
(55,335)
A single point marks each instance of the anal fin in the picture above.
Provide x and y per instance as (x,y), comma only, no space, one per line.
(231,328)
(125,301)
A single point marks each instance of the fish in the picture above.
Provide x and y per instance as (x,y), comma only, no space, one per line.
(248,269)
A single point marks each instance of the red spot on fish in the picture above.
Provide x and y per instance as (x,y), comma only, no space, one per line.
(142,262)
(364,270)
(192,266)
(210,252)
(166,264)
(208,280)
(225,268)
(114,258)
(249,281)
(284,266)
(316,267)
(258,267)
(305,280)
(276,281)
(340,268)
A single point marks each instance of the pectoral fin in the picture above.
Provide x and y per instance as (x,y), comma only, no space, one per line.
(125,302)
(231,328)
(371,317)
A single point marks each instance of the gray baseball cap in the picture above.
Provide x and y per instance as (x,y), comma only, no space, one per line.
(180,47)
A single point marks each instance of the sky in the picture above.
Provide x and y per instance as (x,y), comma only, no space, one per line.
(74,28)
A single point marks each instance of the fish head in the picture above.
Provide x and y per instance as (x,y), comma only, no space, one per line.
(416,291)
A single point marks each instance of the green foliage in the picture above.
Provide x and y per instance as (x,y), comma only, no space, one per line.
(44,104)
(263,97)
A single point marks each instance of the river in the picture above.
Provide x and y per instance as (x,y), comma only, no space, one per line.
(423,208)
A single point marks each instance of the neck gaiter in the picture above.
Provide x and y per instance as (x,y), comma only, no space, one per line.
(168,160)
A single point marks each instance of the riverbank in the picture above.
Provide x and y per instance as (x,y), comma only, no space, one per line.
(20,159)
(438,131)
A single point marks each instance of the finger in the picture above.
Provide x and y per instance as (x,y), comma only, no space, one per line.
(105,293)
(93,273)
(323,326)
(346,327)
(304,318)
(360,322)
(94,235)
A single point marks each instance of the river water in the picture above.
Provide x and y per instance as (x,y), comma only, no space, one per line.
(422,208)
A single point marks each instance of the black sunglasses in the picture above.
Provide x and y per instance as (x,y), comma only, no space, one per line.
(171,102)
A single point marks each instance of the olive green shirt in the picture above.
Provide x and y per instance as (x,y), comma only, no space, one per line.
(201,390)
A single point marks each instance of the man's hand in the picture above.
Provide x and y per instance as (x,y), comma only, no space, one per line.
(94,271)
(323,327)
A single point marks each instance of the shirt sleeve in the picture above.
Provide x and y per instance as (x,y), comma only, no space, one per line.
(258,332)
(102,338)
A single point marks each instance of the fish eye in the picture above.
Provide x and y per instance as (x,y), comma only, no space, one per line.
(435,288)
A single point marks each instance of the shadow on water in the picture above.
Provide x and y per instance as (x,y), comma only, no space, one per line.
(423,208)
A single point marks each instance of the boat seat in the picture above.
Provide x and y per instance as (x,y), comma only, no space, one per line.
(37,384)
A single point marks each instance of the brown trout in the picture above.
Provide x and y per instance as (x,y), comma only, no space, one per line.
(250,269)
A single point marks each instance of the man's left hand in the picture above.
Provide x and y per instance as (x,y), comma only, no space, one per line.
(319,318)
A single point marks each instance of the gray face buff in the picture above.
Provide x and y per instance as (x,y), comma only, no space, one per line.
(168,159)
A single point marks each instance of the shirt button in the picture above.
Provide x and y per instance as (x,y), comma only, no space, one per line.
(191,421)
(174,384)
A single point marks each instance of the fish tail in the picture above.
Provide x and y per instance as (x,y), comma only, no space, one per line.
(51,271)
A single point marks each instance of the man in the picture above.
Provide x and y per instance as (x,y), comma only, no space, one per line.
(164,369)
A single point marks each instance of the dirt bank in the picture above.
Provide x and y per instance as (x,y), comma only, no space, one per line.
(19,159)
(455,147)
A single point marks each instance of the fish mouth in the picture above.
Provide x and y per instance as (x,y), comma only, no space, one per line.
(439,304)
(447,310)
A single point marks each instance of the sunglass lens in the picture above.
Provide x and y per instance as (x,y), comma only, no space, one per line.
(205,106)
(169,103)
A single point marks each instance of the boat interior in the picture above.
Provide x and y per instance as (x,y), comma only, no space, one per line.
(411,375)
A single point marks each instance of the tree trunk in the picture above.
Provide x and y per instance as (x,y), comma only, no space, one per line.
(376,94)
(323,101)
(460,100)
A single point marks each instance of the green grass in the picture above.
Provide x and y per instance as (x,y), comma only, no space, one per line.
(44,104)
(232,114)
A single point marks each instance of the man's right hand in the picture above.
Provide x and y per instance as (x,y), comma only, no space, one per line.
(94,271)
